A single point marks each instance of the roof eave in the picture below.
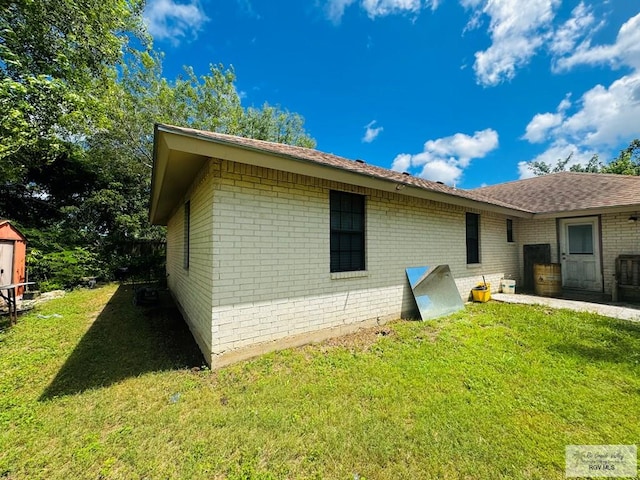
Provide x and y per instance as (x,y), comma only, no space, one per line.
(168,139)
(14,228)
(585,212)
(153,193)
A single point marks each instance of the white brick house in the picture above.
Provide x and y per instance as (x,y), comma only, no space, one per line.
(270,246)
(588,219)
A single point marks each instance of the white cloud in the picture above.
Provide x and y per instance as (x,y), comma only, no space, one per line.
(401,163)
(445,158)
(464,147)
(565,104)
(626,49)
(558,151)
(381,8)
(605,117)
(540,125)
(371,132)
(518,28)
(441,171)
(335,9)
(378,8)
(567,36)
(173,21)
(524,171)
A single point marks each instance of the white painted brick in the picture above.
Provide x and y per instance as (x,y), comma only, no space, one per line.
(260,255)
(618,237)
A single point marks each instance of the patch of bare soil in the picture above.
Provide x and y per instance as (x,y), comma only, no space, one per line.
(430,334)
(360,341)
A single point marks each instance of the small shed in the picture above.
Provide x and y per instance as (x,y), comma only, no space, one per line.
(13,251)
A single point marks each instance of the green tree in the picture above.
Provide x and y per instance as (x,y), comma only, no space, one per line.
(57,59)
(77,109)
(117,206)
(54,57)
(540,167)
(627,162)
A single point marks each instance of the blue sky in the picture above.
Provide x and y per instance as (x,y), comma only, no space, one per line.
(461,91)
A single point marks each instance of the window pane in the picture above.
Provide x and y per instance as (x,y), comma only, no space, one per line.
(187,233)
(509,230)
(347,232)
(472,251)
(335,220)
(346,223)
(580,239)
(358,222)
(473,237)
(357,260)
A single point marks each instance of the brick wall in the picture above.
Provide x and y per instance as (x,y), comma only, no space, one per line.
(531,232)
(259,268)
(192,287)
(618,237)
(259,274)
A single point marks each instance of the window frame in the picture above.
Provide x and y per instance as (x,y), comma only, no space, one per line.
(472,237)
(510,238)
(347,232)
(186,234)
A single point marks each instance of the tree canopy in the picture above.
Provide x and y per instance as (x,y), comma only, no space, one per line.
(626,163)
(55,57)
(77,109)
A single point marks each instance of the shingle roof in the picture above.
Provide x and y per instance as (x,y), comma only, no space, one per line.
(567,191)
(548,194)
(328,159)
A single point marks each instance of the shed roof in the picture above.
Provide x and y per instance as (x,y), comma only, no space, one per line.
(564,192)
(17,234)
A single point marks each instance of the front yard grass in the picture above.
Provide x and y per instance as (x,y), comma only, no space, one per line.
(104,389)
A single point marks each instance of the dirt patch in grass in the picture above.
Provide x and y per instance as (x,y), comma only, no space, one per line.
(429,334)
(360,341)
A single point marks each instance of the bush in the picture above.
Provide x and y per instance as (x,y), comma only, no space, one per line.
(63,269)
(149,267)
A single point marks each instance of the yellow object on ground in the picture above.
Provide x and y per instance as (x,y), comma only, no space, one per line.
(481,293)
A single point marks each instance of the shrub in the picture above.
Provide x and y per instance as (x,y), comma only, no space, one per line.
(63,269)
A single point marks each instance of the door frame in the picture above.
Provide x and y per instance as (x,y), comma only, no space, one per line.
(12,244)
(597,231)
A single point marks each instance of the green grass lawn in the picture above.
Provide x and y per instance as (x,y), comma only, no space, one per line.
(110,390)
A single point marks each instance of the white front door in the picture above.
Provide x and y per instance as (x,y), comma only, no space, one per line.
(6,263)
(580,253)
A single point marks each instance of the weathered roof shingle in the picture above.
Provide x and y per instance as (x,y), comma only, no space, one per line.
(328,159)
(567,191)
(549,194)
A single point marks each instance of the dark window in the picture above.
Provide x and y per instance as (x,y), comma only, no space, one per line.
(187,226)
(473,238)
(509,230)
(347,231)
(580,239)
